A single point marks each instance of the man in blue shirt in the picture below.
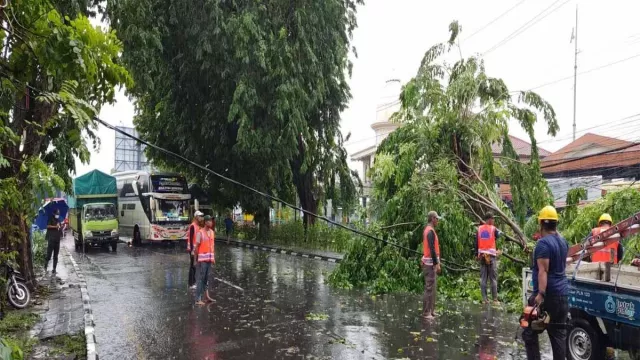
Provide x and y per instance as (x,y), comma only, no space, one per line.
(550,286)
(228,225)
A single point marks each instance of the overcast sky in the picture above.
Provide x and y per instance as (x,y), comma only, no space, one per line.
(392,37)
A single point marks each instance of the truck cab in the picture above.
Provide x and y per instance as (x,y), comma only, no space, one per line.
(96,224)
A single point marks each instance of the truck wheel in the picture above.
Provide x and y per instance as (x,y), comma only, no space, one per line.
(634,354)
(114,246)
(584,342)
(137,240)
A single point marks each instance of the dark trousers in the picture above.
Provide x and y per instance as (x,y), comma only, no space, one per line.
(489,274)
(430,290)
(53,248)
(558,308)
(192,271)
(203,279)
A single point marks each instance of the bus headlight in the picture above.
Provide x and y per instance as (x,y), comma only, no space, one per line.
(114,232)
(87,234)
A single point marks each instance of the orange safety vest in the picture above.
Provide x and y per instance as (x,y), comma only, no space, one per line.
(206,250)
(487,239)
(426,258)
(604,254)
(191,242)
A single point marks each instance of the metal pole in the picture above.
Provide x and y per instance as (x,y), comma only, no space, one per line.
(575,75)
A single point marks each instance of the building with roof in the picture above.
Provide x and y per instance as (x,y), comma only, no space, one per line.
(594,162)
(594,155)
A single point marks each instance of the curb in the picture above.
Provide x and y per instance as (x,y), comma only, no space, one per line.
(89,325)
(279,250)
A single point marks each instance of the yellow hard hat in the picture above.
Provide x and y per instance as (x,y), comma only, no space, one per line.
(605,217)
(548,213)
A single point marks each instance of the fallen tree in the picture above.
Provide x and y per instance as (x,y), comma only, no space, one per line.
(443,158)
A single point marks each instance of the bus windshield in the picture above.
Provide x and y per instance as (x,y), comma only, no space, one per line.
(172,210)
(99,212)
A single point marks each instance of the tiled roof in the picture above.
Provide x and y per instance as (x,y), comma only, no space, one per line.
(591,144)
(522,147)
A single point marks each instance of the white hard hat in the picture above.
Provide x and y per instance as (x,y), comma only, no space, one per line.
(198,213)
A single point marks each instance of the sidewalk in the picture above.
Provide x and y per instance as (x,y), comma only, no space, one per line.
(329,256)
(61,313)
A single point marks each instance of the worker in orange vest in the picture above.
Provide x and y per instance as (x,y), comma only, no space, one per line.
(204,250)
(430,265)
(604,254)
(486,253)
(194,228)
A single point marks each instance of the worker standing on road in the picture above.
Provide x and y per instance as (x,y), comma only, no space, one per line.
(550,286)
(228,225)
(604,254)
(486,254)
(53,236)
(430,265)
(204,249)
(194,229)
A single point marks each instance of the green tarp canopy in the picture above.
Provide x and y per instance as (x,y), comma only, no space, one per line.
(95,186)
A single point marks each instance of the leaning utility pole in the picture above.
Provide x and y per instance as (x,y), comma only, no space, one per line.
(574,38)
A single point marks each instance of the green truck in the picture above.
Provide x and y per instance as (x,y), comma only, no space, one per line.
(93,211)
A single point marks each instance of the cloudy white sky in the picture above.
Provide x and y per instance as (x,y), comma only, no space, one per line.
(394,34)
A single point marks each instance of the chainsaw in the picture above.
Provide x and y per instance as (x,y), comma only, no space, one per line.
(533,317)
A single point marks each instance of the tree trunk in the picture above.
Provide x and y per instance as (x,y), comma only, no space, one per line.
(304,186)
(264,225)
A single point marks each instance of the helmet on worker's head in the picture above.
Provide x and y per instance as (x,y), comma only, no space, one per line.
(548,213)
(605,217)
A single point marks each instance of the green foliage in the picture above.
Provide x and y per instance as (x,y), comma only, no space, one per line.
(573,199)
(442,159)
(253,90)
(319,236)
(39,248)
(14,333)
(10,350)
(69,345)
(57,71)
(619,204)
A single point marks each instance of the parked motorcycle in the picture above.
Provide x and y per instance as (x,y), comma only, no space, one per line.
(18,293)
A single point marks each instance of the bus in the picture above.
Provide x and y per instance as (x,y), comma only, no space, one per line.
(153,207)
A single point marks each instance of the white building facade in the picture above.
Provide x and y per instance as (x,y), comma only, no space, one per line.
(388,104)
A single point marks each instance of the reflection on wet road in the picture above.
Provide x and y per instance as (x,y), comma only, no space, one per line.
(271,306)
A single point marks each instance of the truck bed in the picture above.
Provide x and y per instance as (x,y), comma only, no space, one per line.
(590,293)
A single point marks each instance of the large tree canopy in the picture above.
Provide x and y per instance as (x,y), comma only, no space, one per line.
(441,159)
(57,71)
(253,90)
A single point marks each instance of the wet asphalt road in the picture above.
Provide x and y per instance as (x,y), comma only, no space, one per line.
(143,310)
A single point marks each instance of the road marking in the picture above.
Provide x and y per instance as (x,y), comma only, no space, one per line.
(230,284)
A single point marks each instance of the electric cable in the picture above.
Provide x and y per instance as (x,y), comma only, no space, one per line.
(493,21)
(527,25)
(585,72)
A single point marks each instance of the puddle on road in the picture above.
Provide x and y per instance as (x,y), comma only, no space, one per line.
(144,311)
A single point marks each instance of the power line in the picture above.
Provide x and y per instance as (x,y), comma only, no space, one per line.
(247,187)
(633,118)
(527,25)
(493,21)
(591,155)
(585,72)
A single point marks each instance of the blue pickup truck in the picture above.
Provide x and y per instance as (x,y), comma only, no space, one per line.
(604,306)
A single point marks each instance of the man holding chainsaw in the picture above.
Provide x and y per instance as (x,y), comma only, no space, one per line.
(550,287)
